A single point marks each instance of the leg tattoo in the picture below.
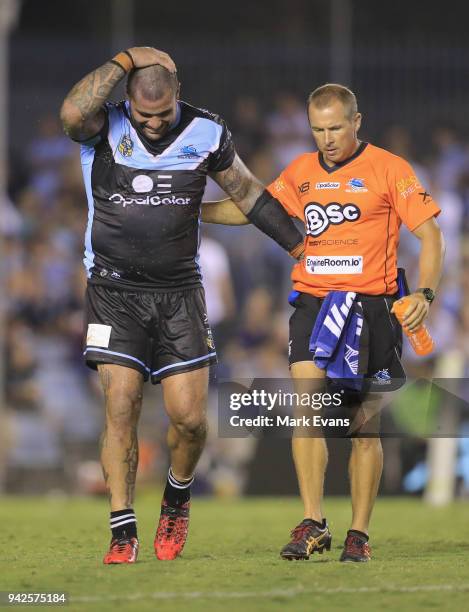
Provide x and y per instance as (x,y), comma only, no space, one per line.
(131,460)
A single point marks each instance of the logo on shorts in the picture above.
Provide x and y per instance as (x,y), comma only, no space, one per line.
(210,342)
(319,217)
(356,185)
(188,152)
(382,377)
(126,146)
(334,264)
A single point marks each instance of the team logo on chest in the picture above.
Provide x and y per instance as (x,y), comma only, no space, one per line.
(188,152)
(126,146)
(356,185)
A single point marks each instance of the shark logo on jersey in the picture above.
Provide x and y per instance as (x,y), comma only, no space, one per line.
(188,152)
(126,146)
(355,185)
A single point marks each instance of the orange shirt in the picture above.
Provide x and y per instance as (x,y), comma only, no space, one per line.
(352,213)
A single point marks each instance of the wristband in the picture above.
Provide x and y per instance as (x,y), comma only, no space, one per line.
(124,60)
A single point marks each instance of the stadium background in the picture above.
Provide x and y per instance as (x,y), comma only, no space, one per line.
(254,64)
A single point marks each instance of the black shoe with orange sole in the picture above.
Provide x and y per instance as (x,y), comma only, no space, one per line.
(307,538)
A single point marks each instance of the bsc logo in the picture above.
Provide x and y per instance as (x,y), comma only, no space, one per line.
(318,217)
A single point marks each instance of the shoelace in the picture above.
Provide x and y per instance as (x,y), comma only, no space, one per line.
(355,546)
(121,545)
(300,532)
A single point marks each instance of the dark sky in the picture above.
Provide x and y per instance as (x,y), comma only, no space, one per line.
(430,21)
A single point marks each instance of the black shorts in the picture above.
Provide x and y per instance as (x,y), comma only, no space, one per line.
(385,336)
(158,334)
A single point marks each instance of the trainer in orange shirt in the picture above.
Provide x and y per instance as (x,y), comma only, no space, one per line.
(352,198)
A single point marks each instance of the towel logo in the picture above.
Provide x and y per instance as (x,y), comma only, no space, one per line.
(351,358)
(335,320)
(318,217)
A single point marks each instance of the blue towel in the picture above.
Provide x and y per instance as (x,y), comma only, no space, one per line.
(335,339)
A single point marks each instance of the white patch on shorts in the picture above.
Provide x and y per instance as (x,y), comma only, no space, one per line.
(98,335)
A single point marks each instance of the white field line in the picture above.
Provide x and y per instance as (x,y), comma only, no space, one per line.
(293,592)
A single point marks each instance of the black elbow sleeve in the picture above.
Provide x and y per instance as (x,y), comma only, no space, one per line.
(272,219)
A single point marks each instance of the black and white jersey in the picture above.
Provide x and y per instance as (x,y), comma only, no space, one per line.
(144,202)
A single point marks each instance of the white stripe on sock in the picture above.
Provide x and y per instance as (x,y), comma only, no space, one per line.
(176,483)
(123,516)
(123,523)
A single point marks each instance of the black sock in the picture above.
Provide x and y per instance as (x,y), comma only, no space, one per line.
(360,534)
(176,492)
(321,525)
(123,524)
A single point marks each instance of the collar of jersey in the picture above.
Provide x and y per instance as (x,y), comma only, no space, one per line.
(330,169)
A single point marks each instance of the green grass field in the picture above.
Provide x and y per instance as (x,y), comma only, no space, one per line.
(231,562)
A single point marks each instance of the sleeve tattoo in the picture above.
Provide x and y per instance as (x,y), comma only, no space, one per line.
(240,184)
(81,111)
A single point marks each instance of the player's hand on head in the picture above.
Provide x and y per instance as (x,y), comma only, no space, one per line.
(148,56)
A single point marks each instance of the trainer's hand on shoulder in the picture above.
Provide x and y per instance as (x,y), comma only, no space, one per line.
(417,311)
(148,56)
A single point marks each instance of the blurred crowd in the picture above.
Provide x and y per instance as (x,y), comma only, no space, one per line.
(53,413)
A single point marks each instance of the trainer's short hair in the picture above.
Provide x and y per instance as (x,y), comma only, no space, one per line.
(325,94)
(152,82)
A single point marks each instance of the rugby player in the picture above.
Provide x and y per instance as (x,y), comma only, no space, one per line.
(352,198)
(145,163)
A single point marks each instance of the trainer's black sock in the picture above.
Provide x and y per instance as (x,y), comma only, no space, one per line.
(360,534)
(321,525)
(177,492)
(123,524)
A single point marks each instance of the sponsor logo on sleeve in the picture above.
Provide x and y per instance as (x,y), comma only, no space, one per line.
(279,185)
(408,185)
(334,264)
(426,197)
